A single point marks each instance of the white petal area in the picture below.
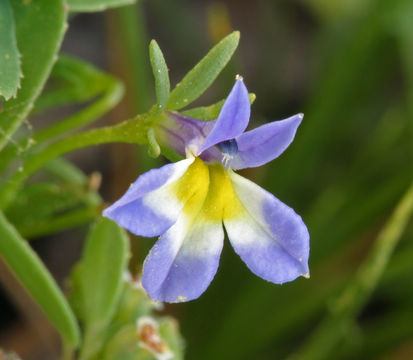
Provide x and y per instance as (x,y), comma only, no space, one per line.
(268,235)
(184,260)
(151,205)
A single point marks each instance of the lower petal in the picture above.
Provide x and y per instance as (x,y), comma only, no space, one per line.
(268,235)
(184,260)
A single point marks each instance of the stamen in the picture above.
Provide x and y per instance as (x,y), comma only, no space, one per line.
(229,149)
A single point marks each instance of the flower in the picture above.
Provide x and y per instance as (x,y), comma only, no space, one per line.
(150,339)
(189,202)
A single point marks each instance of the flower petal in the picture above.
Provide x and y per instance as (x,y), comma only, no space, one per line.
(183,262)
(185,259)
(267,234)
(265,143)
(233,118)
(150,206)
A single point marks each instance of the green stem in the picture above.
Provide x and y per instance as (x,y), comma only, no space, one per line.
(131,131)
(106,102)
(347,306)
(130,41)
(109,99)
(67,352)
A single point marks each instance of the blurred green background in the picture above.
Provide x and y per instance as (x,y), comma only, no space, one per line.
(348,66)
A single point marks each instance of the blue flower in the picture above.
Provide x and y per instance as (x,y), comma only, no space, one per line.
(189,202)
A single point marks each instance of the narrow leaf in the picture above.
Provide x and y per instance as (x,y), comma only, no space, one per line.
(38,42)
(160,72)
(10,72)
(104,261)
(204,73)
(96,5)
(103,264)
(37,280)
(72,80)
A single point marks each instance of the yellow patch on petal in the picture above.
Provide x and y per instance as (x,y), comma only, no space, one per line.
(221,196)
(208,192)
(192,187)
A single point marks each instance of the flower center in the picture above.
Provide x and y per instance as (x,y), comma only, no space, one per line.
(207,192)
(229,149)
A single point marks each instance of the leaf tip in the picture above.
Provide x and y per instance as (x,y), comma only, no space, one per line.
(236,34)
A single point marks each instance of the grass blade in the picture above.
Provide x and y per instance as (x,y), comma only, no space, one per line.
(29,269)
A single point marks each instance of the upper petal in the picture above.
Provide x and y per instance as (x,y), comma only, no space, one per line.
(265,143)
(233,118)
(151,204)
(268,235)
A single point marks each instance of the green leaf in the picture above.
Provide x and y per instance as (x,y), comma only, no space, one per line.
(103,264)
(44,208)
(160,72)
(61,222)
(104,261)
(96,5)
(37,280)
(133,304)
(129,131)
(75,291)
(65,171)
(169,331)
(39,30)
(84,82)
(10,72)
(204,73)
(71,81)
(40,200)
(207,113)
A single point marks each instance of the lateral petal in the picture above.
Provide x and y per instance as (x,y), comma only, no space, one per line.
(233,118)
(265,143)
(268,235)
(152,204)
